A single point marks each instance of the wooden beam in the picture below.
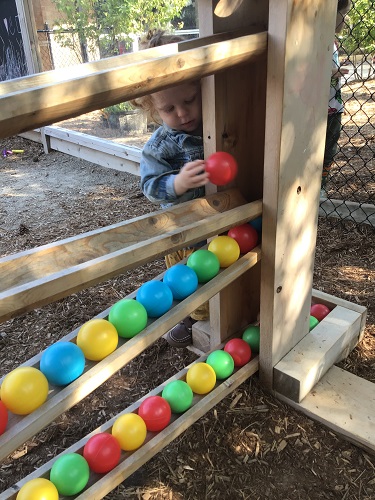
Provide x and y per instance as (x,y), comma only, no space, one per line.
(329,342)
(32,106)
(301,36)
(101,152)
(42,275)
(60,399)
(345,404)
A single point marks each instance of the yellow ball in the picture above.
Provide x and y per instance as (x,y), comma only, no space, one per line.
(38,489)
(201,378)
(97,338)
(24,389)
(130,431)
(226,249)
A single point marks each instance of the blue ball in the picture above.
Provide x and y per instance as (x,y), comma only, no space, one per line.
(62,363)
(257,224)
(156,297)
(182,280)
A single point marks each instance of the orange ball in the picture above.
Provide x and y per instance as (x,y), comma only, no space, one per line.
(97,338)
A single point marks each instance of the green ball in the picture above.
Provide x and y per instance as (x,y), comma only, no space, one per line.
(205,264)
(179,396)
(222,363)
(251,335)
(313,322)
(129,317)
(70,474)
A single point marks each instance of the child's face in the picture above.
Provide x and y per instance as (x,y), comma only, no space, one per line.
(180,107)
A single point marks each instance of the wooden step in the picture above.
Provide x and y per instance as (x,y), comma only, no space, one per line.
(344,403)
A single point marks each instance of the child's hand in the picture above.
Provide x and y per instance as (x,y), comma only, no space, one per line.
(191,176)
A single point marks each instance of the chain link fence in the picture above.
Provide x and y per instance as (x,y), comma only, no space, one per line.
(350,188)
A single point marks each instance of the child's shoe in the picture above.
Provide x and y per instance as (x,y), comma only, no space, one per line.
(181,334)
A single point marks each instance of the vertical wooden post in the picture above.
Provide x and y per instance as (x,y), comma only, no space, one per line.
(29,35)
(301,35)
(233,121)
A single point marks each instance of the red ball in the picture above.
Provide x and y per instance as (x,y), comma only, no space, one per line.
(222,168)
(3,417)
(319,311)
(239,350)
(245,235)
(102,452)
(156,413)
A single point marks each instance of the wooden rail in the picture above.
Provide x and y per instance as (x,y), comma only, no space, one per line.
(42,275)
(99,485)
(43,100)
(60,399)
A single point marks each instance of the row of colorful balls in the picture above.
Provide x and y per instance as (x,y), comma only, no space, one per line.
(102,452)
(26,388)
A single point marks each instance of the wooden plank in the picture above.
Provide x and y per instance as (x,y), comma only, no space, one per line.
(80,70)
(101,152)
(35,106)
(99,485)
(332,301)
(344,403)
(21,428)
(348,210)
(296,114)
(39,276)
(331,340)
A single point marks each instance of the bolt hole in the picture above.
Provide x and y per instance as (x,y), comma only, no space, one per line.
(278,289)
(299,189)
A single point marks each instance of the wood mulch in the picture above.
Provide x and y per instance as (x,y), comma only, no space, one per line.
(250,445)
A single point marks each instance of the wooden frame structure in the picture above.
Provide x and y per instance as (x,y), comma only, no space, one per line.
(264,103)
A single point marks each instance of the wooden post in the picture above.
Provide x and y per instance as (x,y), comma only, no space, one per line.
(29,35)
(300,41)
(233,117)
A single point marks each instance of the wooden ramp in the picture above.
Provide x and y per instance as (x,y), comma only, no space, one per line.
(99,485)
(344,403)
(42,275)
(60,399)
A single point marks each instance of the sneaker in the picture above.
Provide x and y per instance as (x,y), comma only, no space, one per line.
(180,335)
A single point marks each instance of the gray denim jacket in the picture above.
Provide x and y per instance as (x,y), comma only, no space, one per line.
(163,156)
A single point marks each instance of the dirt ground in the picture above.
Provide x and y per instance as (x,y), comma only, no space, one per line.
(250,445)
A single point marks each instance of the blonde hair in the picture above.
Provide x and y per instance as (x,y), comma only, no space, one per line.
(153,38)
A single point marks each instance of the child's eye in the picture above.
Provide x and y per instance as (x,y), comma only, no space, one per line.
(189,101)
(169,110)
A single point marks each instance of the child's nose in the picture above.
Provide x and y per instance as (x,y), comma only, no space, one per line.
(182,111)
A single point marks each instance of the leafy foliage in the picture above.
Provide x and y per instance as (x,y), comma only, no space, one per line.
(359,34)
(109,21)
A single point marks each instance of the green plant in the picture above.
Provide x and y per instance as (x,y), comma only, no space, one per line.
(111,20)
(117,109)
